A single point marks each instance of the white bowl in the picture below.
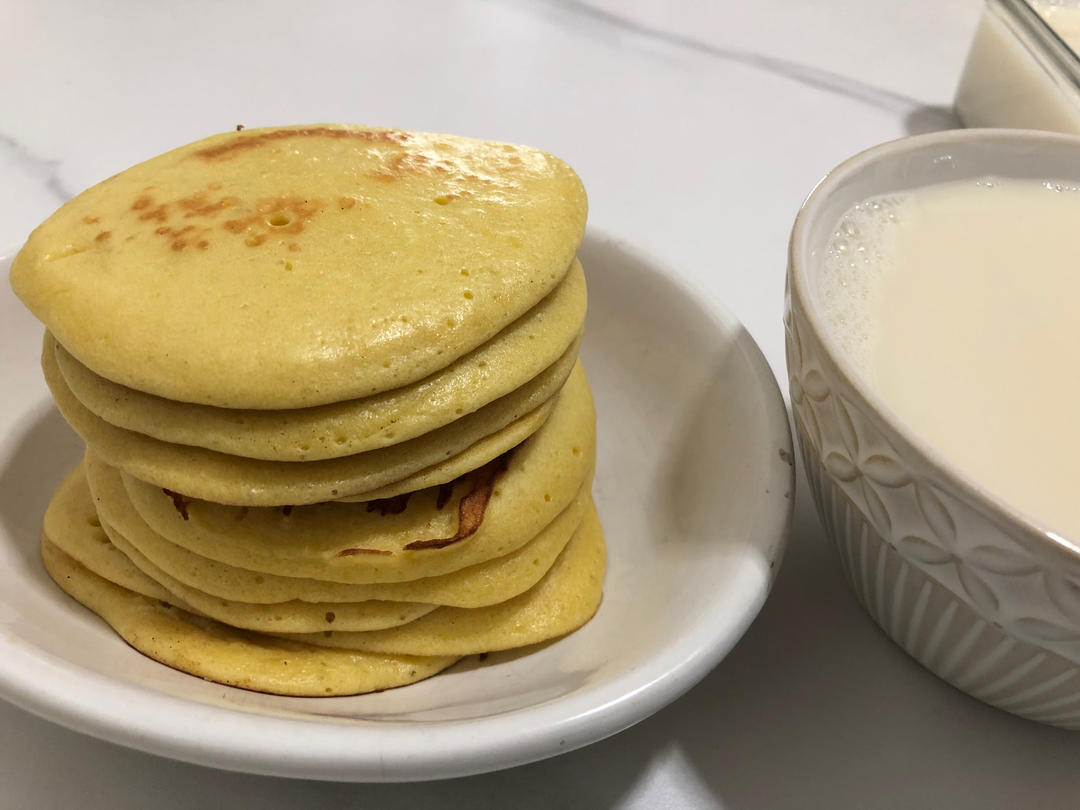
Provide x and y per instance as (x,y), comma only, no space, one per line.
(968,585)
(694,487)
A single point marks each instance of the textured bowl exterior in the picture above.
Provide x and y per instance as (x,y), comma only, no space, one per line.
(979,596)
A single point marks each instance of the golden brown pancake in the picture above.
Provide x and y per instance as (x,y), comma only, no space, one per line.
(294,616)
(78,530)
(241,481)
(223,654)
(486,583)
(541,344)
(338,435)
(321,263)
(74,526)
(562,601)
(486,515)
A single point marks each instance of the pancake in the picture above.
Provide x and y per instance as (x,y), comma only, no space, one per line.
(281,617)
(478,585)
(433,532)
(71,519)
(223,654)
(541,342)
(471,458)
(564,599)
(320,263)
(338,435)
(73,523)
(235,480)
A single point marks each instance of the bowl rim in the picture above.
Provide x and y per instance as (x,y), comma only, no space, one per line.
(1009,518)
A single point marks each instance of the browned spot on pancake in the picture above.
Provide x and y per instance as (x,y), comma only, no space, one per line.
(157,214)
(141,202)
(245,143)
(180,502)
(202,244)
(274,215)
(293,246)
(349,552)
(472,507)
(179,238)
(345,203)
(201,205)
(101,237)
(330,616)
(390,506)
(91,220)
(406,163)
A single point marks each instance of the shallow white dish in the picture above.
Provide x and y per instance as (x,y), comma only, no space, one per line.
(694,487)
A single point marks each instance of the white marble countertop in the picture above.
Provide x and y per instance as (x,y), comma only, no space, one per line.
(698,128)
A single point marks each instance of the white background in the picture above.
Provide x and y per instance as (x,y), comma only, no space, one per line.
(698,128)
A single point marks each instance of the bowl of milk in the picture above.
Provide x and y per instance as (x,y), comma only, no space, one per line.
(933,347)
(1023,69)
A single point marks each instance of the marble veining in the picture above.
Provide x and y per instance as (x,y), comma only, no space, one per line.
(808,75)
(44,168)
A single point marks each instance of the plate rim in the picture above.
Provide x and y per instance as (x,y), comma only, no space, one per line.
(237,740)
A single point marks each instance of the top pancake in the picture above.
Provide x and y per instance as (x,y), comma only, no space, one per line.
(291,267)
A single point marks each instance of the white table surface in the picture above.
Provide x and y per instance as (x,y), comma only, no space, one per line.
(698,128)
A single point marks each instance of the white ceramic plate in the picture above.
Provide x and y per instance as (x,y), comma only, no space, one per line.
(694,487)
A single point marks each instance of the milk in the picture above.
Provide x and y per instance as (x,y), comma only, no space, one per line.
(1016,75)
(1064,19)
(960,305)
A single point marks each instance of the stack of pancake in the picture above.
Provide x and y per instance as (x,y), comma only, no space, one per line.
(337,433)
